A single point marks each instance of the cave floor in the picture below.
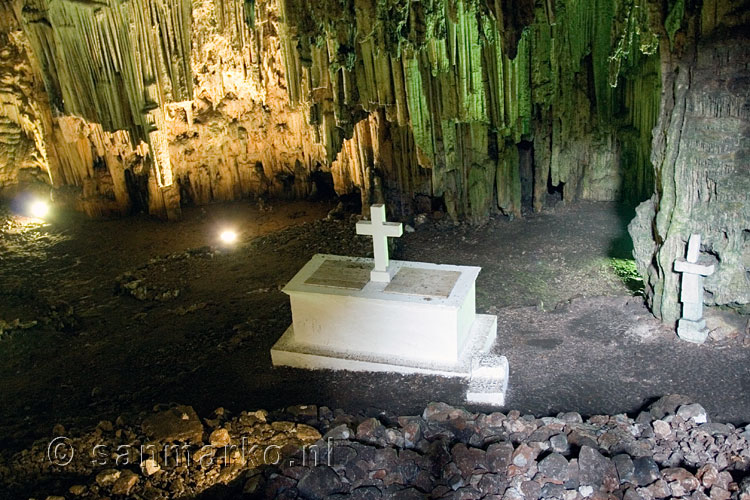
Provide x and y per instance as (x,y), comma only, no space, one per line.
(575,335)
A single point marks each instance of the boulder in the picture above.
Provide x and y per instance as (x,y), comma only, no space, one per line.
(320,482)
(176,424)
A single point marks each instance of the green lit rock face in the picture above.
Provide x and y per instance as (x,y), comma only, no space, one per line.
(453,87)
(581,82)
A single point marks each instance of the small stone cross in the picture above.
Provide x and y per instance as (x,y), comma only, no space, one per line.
(692,326)
(380,230)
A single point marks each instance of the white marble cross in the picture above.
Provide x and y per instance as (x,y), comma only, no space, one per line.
(692,326)
(380,230)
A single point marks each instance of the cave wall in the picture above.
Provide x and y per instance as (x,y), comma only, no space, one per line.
(701,156)
(581,83)
(239,137)
(157,103)
(153,104)
(25,121)
(476,106)
(115,64)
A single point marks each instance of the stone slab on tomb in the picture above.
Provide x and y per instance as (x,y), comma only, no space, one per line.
(434,331)
(374,289)
(339,273)
(426,282)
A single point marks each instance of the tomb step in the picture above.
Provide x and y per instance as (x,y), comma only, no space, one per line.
(488,382)
(487,373)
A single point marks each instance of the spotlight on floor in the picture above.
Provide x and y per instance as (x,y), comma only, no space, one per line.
(39,209)
(228,237)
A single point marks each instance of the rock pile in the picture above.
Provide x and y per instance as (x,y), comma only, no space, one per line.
(671,450)
(170,454)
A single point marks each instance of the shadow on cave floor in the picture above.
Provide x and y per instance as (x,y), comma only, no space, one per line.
(621,246)
(575,336)
(621,251)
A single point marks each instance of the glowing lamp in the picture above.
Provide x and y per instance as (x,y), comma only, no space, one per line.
(228,237)
(39,209)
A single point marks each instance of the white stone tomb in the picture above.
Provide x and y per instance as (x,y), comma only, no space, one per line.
(407,317)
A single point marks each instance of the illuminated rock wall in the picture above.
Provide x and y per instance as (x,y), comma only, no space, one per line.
(157,104)
(458,87)
(191,102)
(239,137)
(24,116)
(701,153)
(482,106)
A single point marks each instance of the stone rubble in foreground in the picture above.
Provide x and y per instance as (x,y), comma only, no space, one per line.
(670,450)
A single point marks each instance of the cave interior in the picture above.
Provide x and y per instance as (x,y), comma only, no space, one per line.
(167,166)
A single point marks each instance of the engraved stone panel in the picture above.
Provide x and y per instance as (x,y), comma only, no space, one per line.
(341,274)
(427,282)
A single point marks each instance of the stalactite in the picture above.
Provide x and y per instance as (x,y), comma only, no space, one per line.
(236,137)
(25,121)
(468,104)
(94,52)
(117,64)
(95,161)
(460,83)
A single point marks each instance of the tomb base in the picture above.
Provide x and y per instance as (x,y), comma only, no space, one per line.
(692,331)
(422,322)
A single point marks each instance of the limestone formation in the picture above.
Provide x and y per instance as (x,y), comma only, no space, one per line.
(24,119)
(700,150)
(181,102)
(475,107)
(442,88)
(218,120)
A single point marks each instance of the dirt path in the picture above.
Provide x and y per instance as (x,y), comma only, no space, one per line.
(202,333)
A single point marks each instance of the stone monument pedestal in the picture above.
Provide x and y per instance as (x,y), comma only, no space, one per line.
(692,331)
(421,321)
(692,326)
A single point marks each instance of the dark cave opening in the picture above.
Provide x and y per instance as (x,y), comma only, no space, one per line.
(555,194)
(526,172)
(322,184)
(136,186)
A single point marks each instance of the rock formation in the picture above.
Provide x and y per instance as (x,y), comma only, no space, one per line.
(670,450)
(582,87)
(477,106)
(23,121)
(178,105)
(700,155)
